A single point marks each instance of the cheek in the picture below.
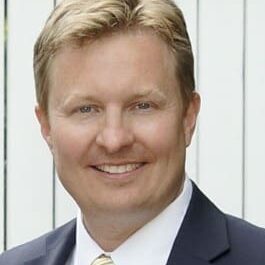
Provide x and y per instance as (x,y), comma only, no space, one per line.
(70,142)
(161,134)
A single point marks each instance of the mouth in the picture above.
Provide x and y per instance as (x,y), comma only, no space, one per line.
(118,169)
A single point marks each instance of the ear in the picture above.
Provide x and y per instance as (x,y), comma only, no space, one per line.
(190,117)
(43,119)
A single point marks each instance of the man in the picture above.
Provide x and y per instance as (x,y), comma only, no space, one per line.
(117,107)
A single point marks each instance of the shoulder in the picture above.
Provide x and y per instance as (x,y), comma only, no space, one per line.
(247,241)
(245,233)
(24,252)
(226,238)
(35,248)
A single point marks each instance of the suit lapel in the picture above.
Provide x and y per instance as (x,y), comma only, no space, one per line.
(203,235)
(58,247)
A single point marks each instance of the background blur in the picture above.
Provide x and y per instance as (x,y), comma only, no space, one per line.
(227,158)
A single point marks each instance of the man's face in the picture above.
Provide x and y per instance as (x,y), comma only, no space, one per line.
(117,127)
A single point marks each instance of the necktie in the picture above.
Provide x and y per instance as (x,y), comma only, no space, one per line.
(103,260)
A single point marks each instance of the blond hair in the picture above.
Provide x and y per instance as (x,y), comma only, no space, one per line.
(75,22)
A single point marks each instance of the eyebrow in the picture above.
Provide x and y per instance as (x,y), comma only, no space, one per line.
(149,92)
(138,95)
(76,97)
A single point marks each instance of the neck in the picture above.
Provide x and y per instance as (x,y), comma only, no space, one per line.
(111,231)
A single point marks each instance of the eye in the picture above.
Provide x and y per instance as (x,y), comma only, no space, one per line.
(85,109)
(144,106)
(88,109)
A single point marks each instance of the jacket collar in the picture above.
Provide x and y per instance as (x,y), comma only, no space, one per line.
(57,247)
(203,235)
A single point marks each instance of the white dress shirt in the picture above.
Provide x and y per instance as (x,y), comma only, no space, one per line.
(149,245)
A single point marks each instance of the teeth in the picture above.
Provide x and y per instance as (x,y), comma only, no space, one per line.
(118,169)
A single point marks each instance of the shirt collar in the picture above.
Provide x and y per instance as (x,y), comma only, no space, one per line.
(151,244)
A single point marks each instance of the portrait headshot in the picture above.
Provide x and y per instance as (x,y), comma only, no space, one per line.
(148,120)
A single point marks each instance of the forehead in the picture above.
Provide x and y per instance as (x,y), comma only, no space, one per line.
(131,40)
(130,57)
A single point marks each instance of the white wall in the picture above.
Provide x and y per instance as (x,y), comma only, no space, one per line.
(2,227)
(226,158)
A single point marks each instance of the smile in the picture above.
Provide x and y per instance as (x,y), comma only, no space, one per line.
(118,169)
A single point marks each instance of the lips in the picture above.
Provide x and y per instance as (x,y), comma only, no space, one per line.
(118,169)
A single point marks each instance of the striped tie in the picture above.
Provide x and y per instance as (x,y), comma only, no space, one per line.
(103,260)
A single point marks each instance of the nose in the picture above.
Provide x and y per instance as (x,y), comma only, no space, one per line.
(114,135)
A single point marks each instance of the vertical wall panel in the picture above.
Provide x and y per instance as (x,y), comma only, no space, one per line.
(29,161)
(220,74)
(189,9)
(1,125)
(255,109)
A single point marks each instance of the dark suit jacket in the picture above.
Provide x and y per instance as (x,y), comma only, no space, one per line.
(207,236)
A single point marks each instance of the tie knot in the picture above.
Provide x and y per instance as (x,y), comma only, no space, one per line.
(103,260)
